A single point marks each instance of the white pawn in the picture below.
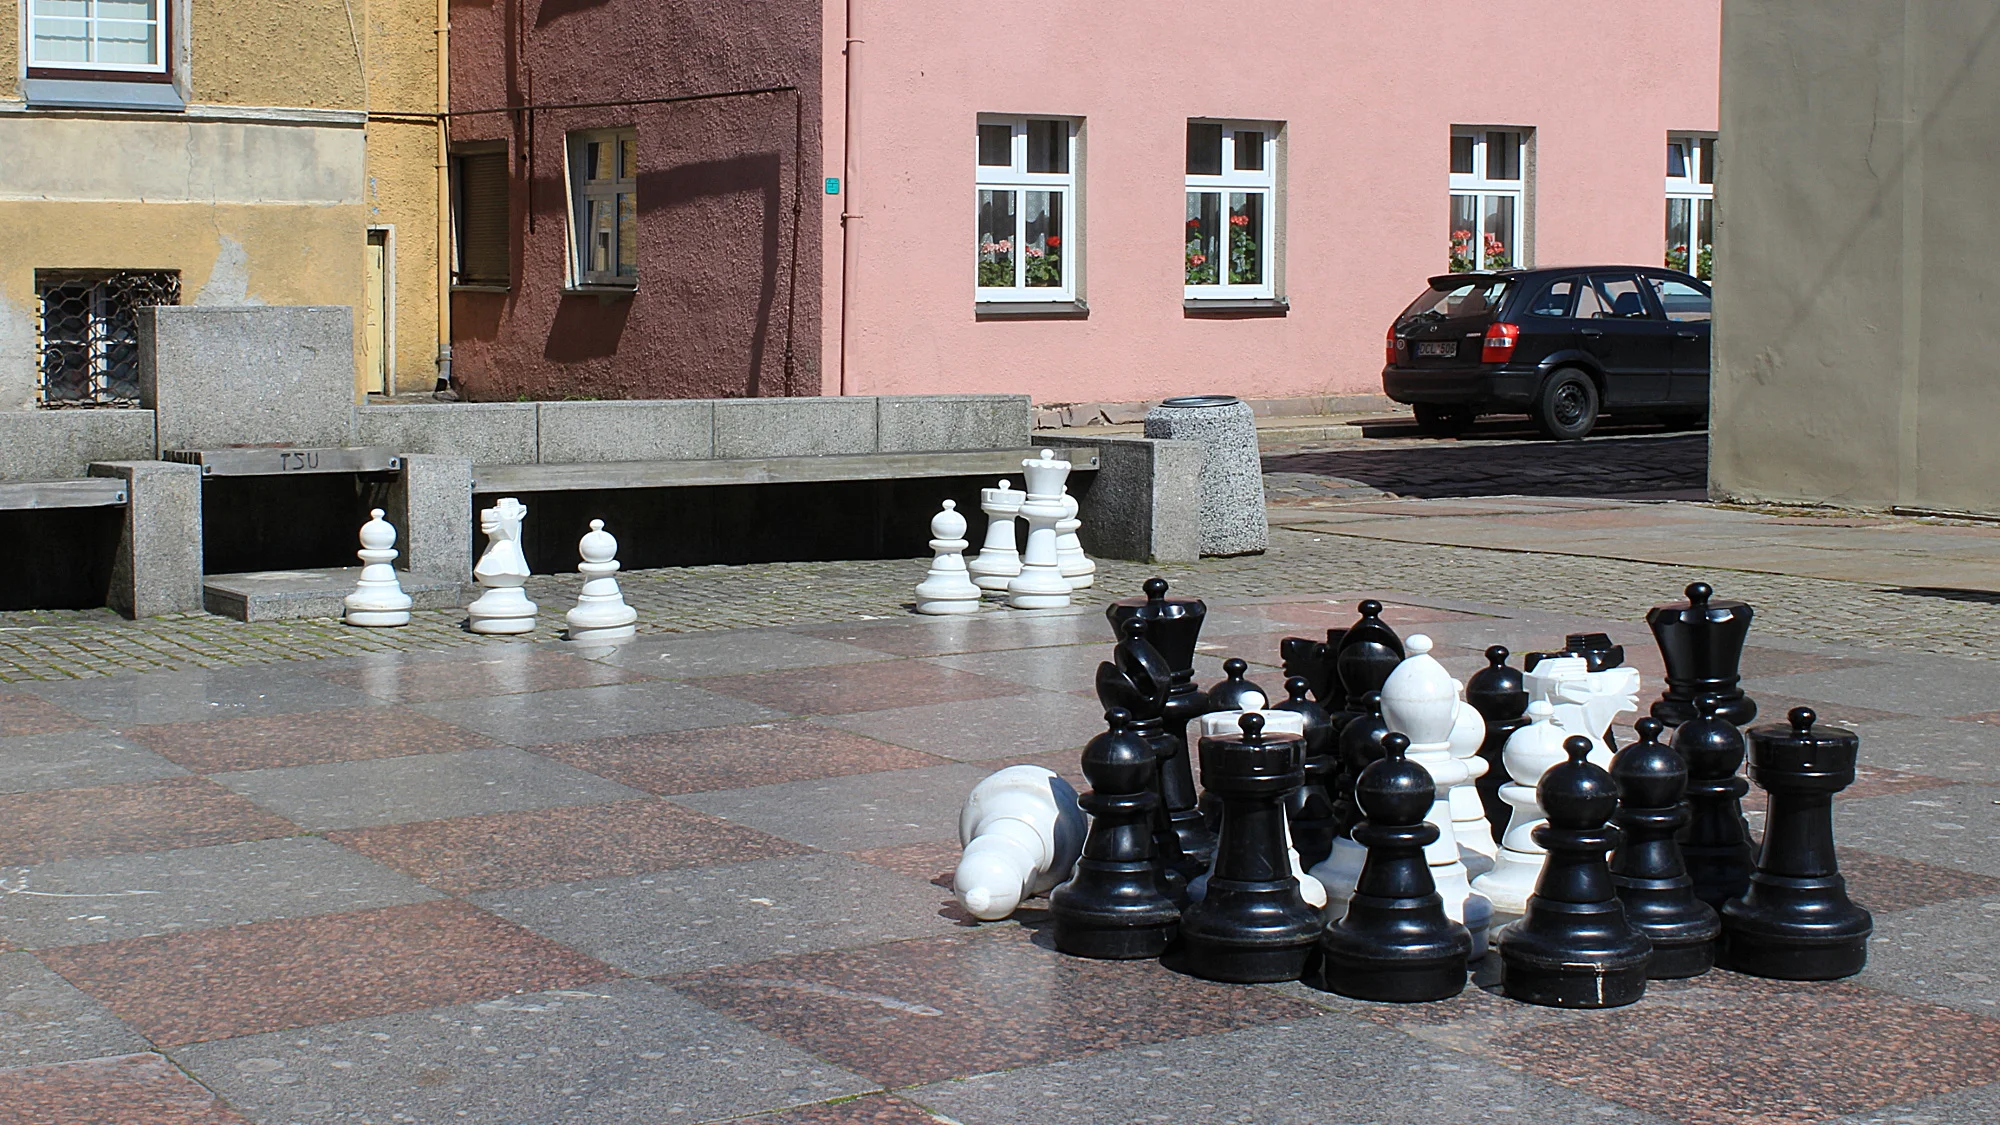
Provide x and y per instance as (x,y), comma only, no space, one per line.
(1420,701)
(947,588)
(601,615)
(1022,831)
(504,608)
(378,599)
(1476,845)
(1040,585)
(999,559)
(1076,567)
(1530,752)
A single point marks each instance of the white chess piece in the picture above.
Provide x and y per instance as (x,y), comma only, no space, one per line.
(1022,831)
(1040,585)
(601,615)
(378,599)
(1585,702)
(504,608)
(1476,845)
(1420,701)
(947,588)
(999,559)
(1076,566)
(1530,752)
(1217,723)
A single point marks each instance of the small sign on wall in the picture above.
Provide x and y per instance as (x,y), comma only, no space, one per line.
(833,185)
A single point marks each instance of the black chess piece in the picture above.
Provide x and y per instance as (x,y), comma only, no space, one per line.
(1173,626)
(1313,661)
(1233,693)
(1360,744)
(1716,844)
(1369,651)
(1252,925)
(1701,642)
(1500,695)
(1138,681)
(1395,943)
(1796,921)
(1574,947)
(1597,650)
(1311,808)
(1112,907)
(1646,865)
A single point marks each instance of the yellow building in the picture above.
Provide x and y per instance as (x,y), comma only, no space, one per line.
(215,152)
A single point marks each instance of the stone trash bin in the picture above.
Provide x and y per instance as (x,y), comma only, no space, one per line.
(1232,475)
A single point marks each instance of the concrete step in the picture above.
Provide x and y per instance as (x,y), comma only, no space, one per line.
(285,595)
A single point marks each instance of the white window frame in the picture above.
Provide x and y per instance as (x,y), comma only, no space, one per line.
(1692,189)
(1478,183)
(1232,181)
(160,21)
(583,192)
(1016,178)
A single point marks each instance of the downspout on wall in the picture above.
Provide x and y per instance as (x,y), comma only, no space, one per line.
(444,223)
(849,242)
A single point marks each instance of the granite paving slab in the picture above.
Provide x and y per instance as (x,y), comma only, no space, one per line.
(980,730)
(1885,883)
(142,1089)
(990,631)
(196,696)
(46,1019)
(875,1109)
(421,787)
(846,689)
(734,757)
(616,1052)
(597,712)
(348,734)
(848,813)
(1962,751)
(1956,827)
(1944,952)
(732,653)
(930,860)
(143,816)
(1935,688)
(469,673)
(22,713)
(76,758)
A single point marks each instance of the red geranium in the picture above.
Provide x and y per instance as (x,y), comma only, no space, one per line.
(1054,241)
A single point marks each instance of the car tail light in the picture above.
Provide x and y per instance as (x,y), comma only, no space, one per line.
(1389,347)
(1498,346)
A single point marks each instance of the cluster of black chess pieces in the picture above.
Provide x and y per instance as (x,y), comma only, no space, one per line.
(1651,869)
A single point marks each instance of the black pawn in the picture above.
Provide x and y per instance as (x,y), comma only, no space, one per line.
(1233,693)
(1138,681)
(1395,942)
(1311,808)
(1574,947)
(1500,695)
(1646,867)
(1252,925)
(1716,844)
(1369,651)
(1360,746)
(1112,907)
(1173,626)
(1701,643)
(1796,921)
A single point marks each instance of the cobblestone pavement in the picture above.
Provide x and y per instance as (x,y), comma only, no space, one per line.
(1629,466)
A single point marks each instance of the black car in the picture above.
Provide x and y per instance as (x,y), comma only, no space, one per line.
(1560,344)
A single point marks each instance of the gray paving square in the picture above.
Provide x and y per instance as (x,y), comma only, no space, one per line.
(1007,726)
(622,1053)
(991,630)
(1961,751)
(679,921)
(843,814)
(1932,687)
(76,758)
(127,896)
(1067,668)
(1955,826)
(421,787)
(1977,1106)
(576,714)
(1946,953)
(1310,1072)
(196,695)
(45,1019)
(687,655)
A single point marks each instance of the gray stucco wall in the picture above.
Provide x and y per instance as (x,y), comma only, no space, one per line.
(1857,352)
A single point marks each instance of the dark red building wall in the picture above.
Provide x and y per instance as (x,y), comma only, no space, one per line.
(729,248)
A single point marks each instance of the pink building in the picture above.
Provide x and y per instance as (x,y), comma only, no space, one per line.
(1097,202)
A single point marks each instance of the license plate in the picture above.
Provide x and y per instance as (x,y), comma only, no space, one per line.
(1437,348)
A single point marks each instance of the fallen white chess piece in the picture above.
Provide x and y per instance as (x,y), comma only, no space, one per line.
(1023,831)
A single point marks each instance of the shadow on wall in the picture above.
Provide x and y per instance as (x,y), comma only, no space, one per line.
(689,184)
(586,326)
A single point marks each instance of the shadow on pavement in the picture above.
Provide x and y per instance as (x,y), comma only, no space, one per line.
(1644,465)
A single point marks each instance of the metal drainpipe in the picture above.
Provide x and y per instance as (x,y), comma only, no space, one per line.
(849,243)
(444,223)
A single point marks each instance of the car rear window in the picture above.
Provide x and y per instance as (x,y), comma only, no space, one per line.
(1454,300)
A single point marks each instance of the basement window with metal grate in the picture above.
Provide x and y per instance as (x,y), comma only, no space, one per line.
(89,332)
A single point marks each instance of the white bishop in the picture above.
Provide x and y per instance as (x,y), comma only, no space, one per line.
(1529,753)
(1420,700)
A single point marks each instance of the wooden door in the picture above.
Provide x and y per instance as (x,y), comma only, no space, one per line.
(375,315)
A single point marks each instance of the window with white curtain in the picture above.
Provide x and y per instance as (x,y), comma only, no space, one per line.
(103,35)
(1026,209)
(1232,197)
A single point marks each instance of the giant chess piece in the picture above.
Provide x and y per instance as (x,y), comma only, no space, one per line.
(1023,830)
(1138,681)
(1276,721)
(1701,641)
(1469,826)
(1253,925)
(999,558)
(1234,693)
(1360,746)
(601,615)
(1312,661)
(1796,921)
(1646,864)
(1585,701)
(1369,651)
(1040,585)
(1574,947)
(502,570)
(1173,627)
(1311,809)
(1716,844)
(1501,696)
(1113,907)
(1394,942)
(947,588)
(1529,754)
(378,599)
(1076,566)
(1420,700)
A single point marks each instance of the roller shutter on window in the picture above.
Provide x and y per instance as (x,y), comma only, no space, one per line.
(482,219)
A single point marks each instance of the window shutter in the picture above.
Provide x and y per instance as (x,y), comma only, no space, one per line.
(483,241)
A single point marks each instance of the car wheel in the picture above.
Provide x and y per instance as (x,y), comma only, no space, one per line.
(1444,421)
(1567,407)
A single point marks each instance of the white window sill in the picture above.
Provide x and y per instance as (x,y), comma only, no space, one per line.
(605,291)
(82,93)
(1031,310)
(479,287)
(1235,307)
